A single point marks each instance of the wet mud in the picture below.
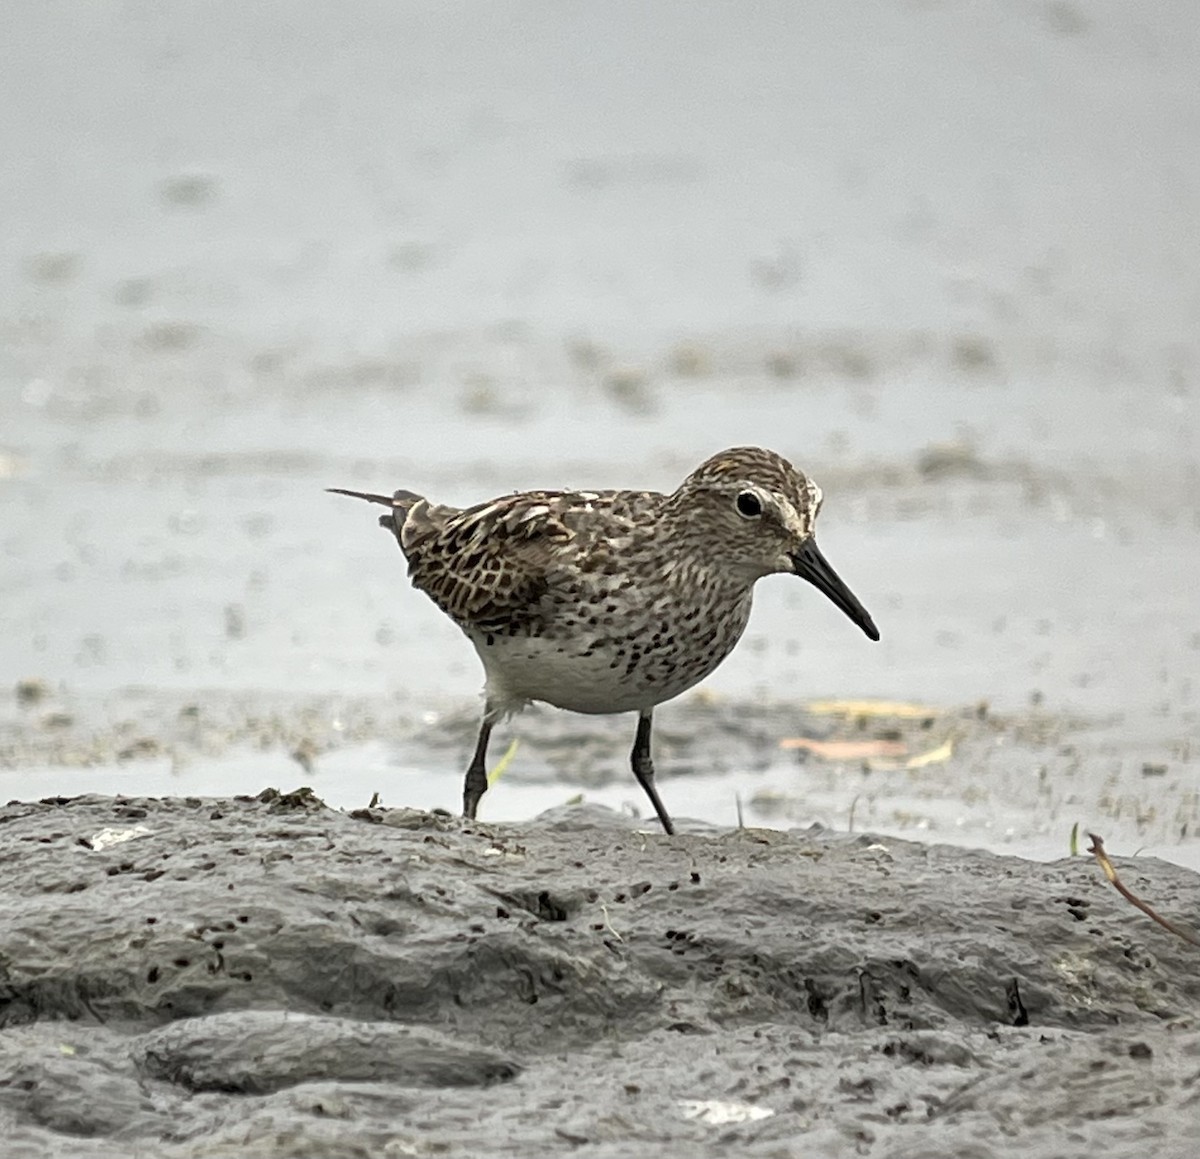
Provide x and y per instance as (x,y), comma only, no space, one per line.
(1015,781)
(267,976)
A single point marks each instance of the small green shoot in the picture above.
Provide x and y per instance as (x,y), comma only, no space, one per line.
(503,763)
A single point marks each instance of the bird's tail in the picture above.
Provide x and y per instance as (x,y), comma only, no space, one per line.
(384,499)
(400,503)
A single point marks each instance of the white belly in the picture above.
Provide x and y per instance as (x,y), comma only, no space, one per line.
(522,668)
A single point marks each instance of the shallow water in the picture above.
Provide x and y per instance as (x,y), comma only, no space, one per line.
(452,275)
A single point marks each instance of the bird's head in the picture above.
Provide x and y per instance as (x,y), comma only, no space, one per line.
(761,514)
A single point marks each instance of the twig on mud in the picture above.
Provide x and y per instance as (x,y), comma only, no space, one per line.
(608,925)
(1097,848)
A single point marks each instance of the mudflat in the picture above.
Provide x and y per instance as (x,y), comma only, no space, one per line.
(267,976)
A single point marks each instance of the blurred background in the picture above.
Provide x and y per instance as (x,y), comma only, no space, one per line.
(943,255)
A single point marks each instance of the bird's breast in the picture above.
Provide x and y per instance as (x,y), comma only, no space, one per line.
(592,660)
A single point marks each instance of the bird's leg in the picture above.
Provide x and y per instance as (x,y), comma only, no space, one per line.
(476,783)
(643,768)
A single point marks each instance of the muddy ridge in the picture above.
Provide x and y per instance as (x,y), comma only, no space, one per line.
(270,976)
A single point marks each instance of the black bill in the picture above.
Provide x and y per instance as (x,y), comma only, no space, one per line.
(811,565)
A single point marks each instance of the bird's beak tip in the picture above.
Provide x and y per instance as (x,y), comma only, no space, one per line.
(812,566)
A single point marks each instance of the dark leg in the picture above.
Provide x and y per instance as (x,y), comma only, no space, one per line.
(643,768)
(475,785)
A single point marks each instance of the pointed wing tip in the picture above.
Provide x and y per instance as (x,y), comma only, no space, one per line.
(384,499)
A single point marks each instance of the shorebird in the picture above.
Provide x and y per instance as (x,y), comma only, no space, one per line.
(612,601)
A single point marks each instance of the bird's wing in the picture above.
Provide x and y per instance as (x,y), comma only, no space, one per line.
(492,567)
(486,567)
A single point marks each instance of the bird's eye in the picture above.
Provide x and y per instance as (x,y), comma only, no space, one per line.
(749,505)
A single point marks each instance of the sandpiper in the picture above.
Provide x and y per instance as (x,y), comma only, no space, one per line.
(612,601)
